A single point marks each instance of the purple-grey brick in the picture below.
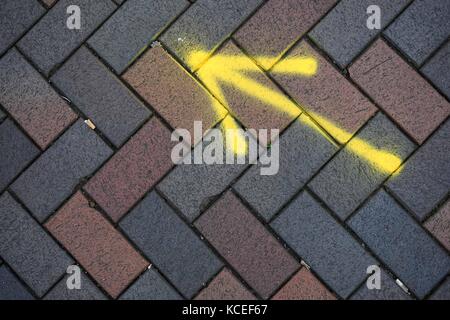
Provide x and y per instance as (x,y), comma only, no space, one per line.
(323,244)
(53,177)
(16,16)
(401,243)
(421,28)
(438,69)
(16,152)
(171,245)
(424,180)
(303,150)
(144,19)
(50,41)
(151,286)
(443,292)
(88,290)
(204,26)
(28,249)
(343,33)
(11,288)
(98,93)
(365,162)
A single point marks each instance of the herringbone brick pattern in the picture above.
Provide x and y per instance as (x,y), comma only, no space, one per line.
(86,176)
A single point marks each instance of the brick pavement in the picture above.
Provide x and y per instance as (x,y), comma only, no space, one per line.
(364,175)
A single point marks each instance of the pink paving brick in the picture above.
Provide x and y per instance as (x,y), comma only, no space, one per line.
(246,91)
(225,286)
(304,286)
(174,93)
(243,241)
(277,25)
(400,91)
(133,170)
(439,225)
(31,100)
(101,250)
(324,93)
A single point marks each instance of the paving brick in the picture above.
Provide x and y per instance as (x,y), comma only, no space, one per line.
(133,170)
(421,28)
(439,225)
(175,95)
(400,91)
(246,91)
(249,248)
(225,286)
(204,26)
(88,291)
(277,25)
(54,175)
(92,240)
(443,292)
(27,249)
(438,69)
(11,288)
(303,286)
(326,95)
(343,33)
(389,290)
(304,150)
(50,41)
(141,18)
(401,243)
(365,162)
(170,244)
(16,152)
(424,180)
(49,3)
(100,96)
(191,188)
(151,286)
(16,16)
(323,244)
(31,100)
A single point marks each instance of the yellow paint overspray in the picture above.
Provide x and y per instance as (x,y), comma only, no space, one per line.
(229,70)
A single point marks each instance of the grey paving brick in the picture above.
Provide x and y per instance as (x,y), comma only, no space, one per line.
(421,28)
(16,16)
(389,290)
(54,175)
(193,187)
(151,286)
(170,244)
(101,96)
(443,292)
(27,249)
(438,69)
(304,149)
(144,19)
(424,180)
(343,33)
(401,243)
(204,26)
(88,291)
(11,288)
(16,152)
(322,243)
(365,162)
(50,42)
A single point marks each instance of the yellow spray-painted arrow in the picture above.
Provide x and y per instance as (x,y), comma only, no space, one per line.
(234,70)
